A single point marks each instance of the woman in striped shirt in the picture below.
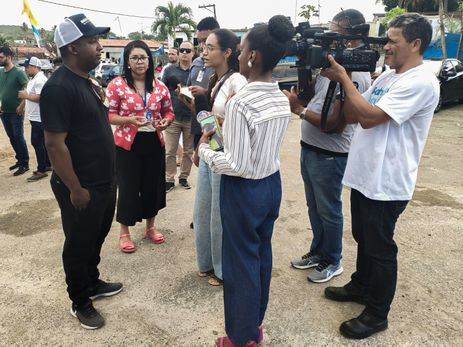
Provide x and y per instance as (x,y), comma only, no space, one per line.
(256,119)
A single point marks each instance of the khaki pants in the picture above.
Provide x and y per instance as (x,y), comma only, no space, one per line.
(172,136)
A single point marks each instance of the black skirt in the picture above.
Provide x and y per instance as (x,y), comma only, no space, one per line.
(141,179)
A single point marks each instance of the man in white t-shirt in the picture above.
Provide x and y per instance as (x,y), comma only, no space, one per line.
(31,97)
(323,161)
(394,118)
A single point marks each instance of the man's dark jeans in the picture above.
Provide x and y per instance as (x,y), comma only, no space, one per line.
(85,232)
(14,128)
(373,224)
(38,141)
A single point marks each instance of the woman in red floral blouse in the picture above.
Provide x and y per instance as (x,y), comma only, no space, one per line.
(140,107)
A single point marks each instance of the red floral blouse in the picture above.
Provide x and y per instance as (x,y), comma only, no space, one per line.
(125,102)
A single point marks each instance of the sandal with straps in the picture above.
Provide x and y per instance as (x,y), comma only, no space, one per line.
(126,246)
(156,238)
(225,341)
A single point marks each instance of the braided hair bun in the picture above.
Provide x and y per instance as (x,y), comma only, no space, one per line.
(280,28)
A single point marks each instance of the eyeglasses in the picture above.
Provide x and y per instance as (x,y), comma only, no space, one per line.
(210,48)
(137,59)
(185,50)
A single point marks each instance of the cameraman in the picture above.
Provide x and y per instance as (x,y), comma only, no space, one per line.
(394,118)
(323,160)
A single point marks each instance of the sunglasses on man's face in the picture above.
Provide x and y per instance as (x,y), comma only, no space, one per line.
(185,50)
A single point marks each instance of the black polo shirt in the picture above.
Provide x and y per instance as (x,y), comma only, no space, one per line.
(69,103)
(173,75)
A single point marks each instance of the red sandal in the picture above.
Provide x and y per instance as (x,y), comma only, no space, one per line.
(156,238)
(225,341)
(126,246)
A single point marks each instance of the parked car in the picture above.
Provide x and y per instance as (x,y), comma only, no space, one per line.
(100,69)
(449,72)
(109,74)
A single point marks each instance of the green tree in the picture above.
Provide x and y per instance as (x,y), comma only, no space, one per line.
(172,18)
(4,41)
(396,11)
(307,11)
(418,5)
(136,35)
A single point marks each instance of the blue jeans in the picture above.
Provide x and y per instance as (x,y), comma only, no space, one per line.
(207,223)
(38,142)
(249,210)
(322,175)
(14,128)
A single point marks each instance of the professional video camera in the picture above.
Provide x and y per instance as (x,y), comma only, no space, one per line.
(312,45)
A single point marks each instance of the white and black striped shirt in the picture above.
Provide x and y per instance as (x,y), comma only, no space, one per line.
(256,120)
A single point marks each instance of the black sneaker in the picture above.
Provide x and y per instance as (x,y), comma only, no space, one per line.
(14,167)
(105,289)
(169,186)
(88,317)
(21,170)
(184,183)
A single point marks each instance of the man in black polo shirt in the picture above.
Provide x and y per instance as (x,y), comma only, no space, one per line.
(81,148)
(174,75)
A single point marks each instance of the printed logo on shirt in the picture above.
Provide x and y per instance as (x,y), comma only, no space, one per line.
(377,94)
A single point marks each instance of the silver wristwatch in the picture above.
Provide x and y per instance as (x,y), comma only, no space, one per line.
(302,114)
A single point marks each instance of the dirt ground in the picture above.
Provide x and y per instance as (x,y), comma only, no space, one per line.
(164,303)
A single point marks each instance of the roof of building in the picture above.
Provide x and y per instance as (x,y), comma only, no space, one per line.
(22,51)
(123,43)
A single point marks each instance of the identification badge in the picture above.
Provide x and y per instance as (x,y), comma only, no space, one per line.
(148,115)
(200,76)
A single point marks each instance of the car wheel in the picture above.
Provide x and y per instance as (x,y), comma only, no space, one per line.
(439,104)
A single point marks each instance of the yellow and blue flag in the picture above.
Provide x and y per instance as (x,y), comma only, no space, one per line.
(27,10)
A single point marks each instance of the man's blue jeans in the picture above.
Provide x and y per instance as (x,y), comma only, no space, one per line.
(14,128)
(38,142)
(322,175)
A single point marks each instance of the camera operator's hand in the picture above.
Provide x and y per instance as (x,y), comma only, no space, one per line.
(335,72)
(294,102)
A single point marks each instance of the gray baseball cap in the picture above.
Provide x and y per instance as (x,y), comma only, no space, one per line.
(75,27)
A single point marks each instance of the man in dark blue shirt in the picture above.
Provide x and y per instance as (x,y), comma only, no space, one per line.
(174,76)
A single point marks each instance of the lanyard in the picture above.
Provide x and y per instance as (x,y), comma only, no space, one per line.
(144,100)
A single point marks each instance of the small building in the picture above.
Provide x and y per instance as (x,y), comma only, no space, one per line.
(113,49)
(22,52)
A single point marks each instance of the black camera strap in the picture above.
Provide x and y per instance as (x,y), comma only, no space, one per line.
(326,105)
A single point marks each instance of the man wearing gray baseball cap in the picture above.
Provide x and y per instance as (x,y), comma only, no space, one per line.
(81,148)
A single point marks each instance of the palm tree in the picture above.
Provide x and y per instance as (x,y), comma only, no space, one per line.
(173,18)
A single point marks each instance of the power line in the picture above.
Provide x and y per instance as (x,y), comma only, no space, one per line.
(99,11)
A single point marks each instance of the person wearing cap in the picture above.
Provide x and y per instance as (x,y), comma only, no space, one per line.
(80,144)
(323,161)
(30,98)
(12,80)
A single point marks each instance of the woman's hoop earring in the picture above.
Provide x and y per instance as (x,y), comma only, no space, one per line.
(249,64)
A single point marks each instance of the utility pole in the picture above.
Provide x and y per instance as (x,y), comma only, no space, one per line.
(120,27)
(206,7)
